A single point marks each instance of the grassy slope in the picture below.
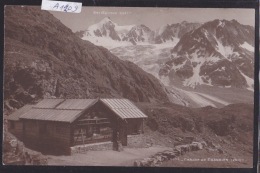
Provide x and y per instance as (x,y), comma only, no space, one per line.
(230,128)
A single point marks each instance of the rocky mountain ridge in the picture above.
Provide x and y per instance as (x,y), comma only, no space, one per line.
(170,32)
(219,53)
(215,56)
(216,53)
(106,30)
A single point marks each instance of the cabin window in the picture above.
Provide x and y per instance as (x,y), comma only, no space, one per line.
(12,125)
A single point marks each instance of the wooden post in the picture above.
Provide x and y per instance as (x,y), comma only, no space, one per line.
(123,136)
(143,125)
(82,136)
(71,135)
(116,136)
(23,131)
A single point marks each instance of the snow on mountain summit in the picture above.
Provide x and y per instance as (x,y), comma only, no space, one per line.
(219,52)
(171,32)
(105,28)
(106,33)
(247,46)
(110,34)
(139,33)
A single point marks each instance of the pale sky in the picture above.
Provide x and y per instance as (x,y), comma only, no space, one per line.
(154,18)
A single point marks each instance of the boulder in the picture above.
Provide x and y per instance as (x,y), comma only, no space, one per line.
(196,146)
(220,151)
(15,153)
(14,103)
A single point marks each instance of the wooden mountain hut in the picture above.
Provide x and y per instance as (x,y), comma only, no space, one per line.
(59,124)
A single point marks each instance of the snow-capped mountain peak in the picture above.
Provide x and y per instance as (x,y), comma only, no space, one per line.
(107,29)
(162,29)
(174,31)
(221,24)
(106,20)
(139,33)
(219,52)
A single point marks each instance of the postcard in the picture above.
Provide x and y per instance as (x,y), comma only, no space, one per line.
(129,86)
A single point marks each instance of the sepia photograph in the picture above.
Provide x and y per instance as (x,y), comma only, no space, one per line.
(129,86)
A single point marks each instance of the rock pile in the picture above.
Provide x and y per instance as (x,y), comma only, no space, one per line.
(158,158)
(15,153)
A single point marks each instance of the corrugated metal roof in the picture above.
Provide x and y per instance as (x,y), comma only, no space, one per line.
(48,103)
(70,109)
(79,104)
(51,115)
(129,113)
(16,115)
(124,108)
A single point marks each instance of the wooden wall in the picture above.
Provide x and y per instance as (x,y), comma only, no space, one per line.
(16,128)
(49,137)
(84,134)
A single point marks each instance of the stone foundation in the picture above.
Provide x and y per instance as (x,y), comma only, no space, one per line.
(91,147)
(138,141)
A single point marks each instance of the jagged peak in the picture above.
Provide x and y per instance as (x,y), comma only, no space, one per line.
(224,21)
(106,19)
(184,22)
(141,27)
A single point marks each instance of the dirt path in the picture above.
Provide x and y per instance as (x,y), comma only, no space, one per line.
(106,158)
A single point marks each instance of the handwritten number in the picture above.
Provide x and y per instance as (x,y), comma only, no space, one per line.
(76,7)
(69,8)
(65,8)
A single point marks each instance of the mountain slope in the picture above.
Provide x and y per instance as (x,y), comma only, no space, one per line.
(229,129)
(43,58)
(219,53)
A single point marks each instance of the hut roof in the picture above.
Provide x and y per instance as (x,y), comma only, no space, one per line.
(124,108)
(68,110)
(60,110)
(16,114)
(51,115)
